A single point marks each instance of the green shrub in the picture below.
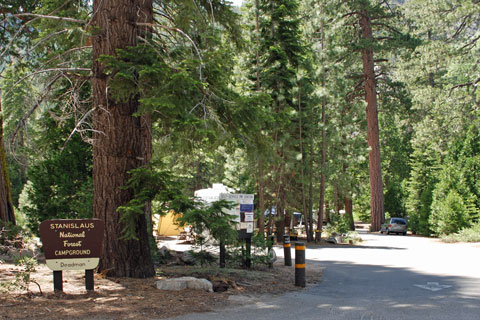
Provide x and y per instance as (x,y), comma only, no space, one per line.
(23,278)
(60,181)
(449,214)
(353,237)
(11,243)
(202,257)
(338,225)
(471,234)
(11,236)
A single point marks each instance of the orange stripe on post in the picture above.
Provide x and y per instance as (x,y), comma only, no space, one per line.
(300,278)
(286,250)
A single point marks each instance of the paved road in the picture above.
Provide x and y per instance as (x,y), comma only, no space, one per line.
(386,277)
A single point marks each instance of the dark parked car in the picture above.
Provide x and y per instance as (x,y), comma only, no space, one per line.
(395,225)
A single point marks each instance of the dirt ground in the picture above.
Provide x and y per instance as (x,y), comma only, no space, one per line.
(125,298)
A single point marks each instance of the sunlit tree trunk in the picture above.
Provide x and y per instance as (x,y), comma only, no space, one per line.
(349,211)
(261,198)
(122,141)
(260,163)
(321,205)
(6,207)
(376,186)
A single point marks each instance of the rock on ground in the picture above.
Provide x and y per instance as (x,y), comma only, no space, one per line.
(177,284)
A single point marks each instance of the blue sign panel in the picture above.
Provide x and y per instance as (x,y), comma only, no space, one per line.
(246,207)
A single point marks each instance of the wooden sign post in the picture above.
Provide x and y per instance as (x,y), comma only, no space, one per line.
(72,245)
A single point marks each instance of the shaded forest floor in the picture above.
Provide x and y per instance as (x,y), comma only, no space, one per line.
(125,298)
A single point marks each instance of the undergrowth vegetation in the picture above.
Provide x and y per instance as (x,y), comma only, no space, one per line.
(471,234)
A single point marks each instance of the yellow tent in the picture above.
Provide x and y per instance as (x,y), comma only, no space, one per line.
(167,226)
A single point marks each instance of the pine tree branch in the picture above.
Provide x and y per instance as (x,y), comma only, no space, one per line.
(48,70)
(386,26)
(39,101)
(66,52)
(467,84)
(183,34)
(82,120)
(46,39)
(471,42)
(461,27)
(384,38)
(350,14)
(36,17)
(42,16)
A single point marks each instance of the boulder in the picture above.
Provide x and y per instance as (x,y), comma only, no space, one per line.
(335,239)
(164,252)
(176,284)
(187,258)
(199,284)
(15,254)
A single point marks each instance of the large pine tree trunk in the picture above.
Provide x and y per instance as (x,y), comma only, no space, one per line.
(349,211)
(308,218)
(6,206)
(261,183)
(261,198)
(310,184)
(376,186)
(121,140)
(321,205)
(280,223)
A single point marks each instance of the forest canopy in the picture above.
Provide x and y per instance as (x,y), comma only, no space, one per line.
(342,111)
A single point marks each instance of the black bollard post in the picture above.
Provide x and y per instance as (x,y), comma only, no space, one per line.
(222,254)
(300,278)
(270,240)
(89,282)
(286,250)
(248,247)
(57,281)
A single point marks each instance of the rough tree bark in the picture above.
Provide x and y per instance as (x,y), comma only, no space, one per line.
(261,183)
(122,141)
(349,211)
(280,209)
(307,217)
(376,186)
(261,197)
(6,207)
(321,205)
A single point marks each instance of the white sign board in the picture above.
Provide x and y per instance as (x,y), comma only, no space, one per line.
(248,216)
(242,212)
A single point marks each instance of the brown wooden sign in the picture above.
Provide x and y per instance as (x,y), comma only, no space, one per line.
(72,244)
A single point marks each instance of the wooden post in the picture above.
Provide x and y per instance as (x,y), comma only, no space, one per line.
(248,260)
(89,282)
(286,250)
(57,281)
(222,254)
(270,240)
(300,278)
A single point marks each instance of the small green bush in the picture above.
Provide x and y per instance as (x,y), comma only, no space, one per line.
(11,242)
(338,225)
(11,236)
(353,236)
(449,215)
(471,234)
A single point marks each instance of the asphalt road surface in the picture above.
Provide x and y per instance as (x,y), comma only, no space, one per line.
(386,277)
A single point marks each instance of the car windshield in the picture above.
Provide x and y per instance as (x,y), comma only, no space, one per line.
(398,221)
